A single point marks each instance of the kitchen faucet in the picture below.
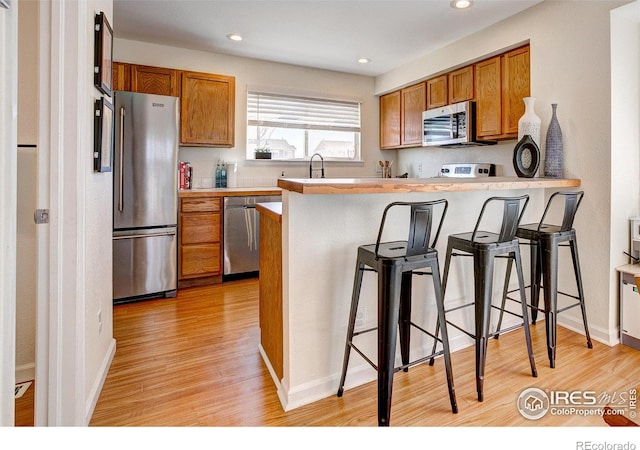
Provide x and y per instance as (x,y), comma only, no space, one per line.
(311,169)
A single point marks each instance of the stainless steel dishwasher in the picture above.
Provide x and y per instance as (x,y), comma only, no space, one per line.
(242,233)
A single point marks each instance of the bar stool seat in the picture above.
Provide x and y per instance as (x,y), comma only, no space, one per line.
(484,247)
(396,262)
(545,240)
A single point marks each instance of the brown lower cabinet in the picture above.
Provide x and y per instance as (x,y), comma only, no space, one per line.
(200,241)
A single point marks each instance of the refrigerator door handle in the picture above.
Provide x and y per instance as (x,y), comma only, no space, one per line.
(131,236)
(121,151)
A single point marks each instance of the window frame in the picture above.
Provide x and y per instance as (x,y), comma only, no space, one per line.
(305,128)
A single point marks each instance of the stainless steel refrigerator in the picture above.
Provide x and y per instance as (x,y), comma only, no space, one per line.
(145,200)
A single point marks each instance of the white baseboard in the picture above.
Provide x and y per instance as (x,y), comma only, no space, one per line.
(605,336)
(25,372)
(94,394)
(292,398)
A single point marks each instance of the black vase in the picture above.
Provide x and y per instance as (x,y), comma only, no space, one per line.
(526,157)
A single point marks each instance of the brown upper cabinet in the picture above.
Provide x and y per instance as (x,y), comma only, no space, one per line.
(412,105)
(401,117)
(121,76)
(207,110)
(207,101)
(461,85)
(437,93)
(496,84)
(145,79)
(516,85)
(154,80)
(489,97)
(501,84)
(390,120)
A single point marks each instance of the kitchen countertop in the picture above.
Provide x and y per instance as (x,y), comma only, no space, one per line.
(230,192)
(406,185)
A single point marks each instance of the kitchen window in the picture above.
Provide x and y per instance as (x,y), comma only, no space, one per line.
(293,128)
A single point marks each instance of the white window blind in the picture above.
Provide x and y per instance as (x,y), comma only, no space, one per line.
(294,127)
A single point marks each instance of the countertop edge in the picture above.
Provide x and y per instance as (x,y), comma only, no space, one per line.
(272,210)
(407,185)
(229,192)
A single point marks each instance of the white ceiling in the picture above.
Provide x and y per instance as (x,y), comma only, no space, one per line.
(326,34)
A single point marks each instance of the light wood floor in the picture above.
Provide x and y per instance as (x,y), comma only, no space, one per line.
(194,361)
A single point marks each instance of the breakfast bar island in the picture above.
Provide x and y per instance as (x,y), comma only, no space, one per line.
(319,227)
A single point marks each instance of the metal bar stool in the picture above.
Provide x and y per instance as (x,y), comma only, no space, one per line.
(545,240)
(395,263)
(484,247)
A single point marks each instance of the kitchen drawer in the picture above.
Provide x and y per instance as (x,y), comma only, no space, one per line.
(200,228)
(199,260)
(200,204)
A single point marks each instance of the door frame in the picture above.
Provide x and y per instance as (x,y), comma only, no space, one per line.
(8,199)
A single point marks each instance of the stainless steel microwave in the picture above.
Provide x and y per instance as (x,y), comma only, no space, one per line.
(451,126)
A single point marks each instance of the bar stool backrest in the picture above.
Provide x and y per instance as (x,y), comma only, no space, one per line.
(512,212)
(424,216)
(572,201)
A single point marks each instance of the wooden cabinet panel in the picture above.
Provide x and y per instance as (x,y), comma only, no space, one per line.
(121,76)
(200,228)
(461,85)
(199,260)
(437,92)
(207,110)
(200,204)
(200,249)
(154,80)
(414,100)
(515,87)
(390,120)
(488,97)
(501,84)
(271,334)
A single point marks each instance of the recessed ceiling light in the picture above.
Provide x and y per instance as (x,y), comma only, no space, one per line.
(461,4)
(364,60)
(234,37)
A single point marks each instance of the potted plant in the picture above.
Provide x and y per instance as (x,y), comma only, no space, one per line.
(263,153)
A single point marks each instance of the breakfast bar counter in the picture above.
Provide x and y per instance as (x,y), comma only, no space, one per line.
(405,185)
(323,221)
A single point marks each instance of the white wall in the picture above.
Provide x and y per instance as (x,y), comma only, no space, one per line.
(625,133)
(97,227)
(570,65)
(73,354)
(250,72)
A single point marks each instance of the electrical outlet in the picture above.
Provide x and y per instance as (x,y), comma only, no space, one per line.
(419,167)
(99,321)
(361,317)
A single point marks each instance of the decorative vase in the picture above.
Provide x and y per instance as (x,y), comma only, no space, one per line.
(529,123)
(554,157)
(526,157)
